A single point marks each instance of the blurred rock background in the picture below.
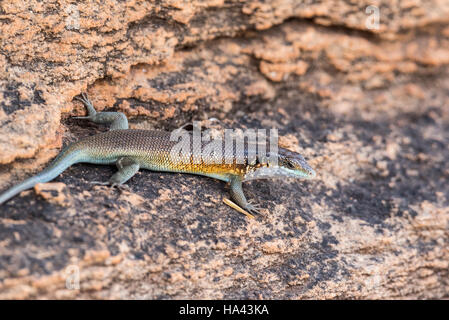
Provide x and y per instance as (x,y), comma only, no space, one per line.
(360,88)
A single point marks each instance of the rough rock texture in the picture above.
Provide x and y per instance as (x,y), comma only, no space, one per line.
(366,107)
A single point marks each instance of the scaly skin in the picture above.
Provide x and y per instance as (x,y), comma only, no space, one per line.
(132,150)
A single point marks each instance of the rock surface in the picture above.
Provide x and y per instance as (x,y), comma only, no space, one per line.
(367,107)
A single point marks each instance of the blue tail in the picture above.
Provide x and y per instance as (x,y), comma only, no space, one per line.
(65,159)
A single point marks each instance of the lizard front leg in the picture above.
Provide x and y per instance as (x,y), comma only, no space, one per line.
(240,203)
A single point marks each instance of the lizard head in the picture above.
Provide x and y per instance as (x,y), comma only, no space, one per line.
(288,164)
(294,165)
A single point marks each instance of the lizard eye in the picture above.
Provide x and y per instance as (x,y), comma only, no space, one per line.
(290,165)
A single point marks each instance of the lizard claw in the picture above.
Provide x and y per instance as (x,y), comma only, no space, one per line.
(253,207)
(84,98)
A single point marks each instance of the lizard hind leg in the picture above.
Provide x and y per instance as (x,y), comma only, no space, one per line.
(117,120)
(127,168)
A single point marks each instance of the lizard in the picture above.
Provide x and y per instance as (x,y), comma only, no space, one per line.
(134,149)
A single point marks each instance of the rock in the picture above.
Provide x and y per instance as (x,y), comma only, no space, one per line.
(54,193)
(366,107)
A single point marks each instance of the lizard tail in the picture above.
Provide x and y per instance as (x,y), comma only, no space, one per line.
(65,159)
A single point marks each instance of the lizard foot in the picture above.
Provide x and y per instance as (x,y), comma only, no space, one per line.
(84,98)
(253,207)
